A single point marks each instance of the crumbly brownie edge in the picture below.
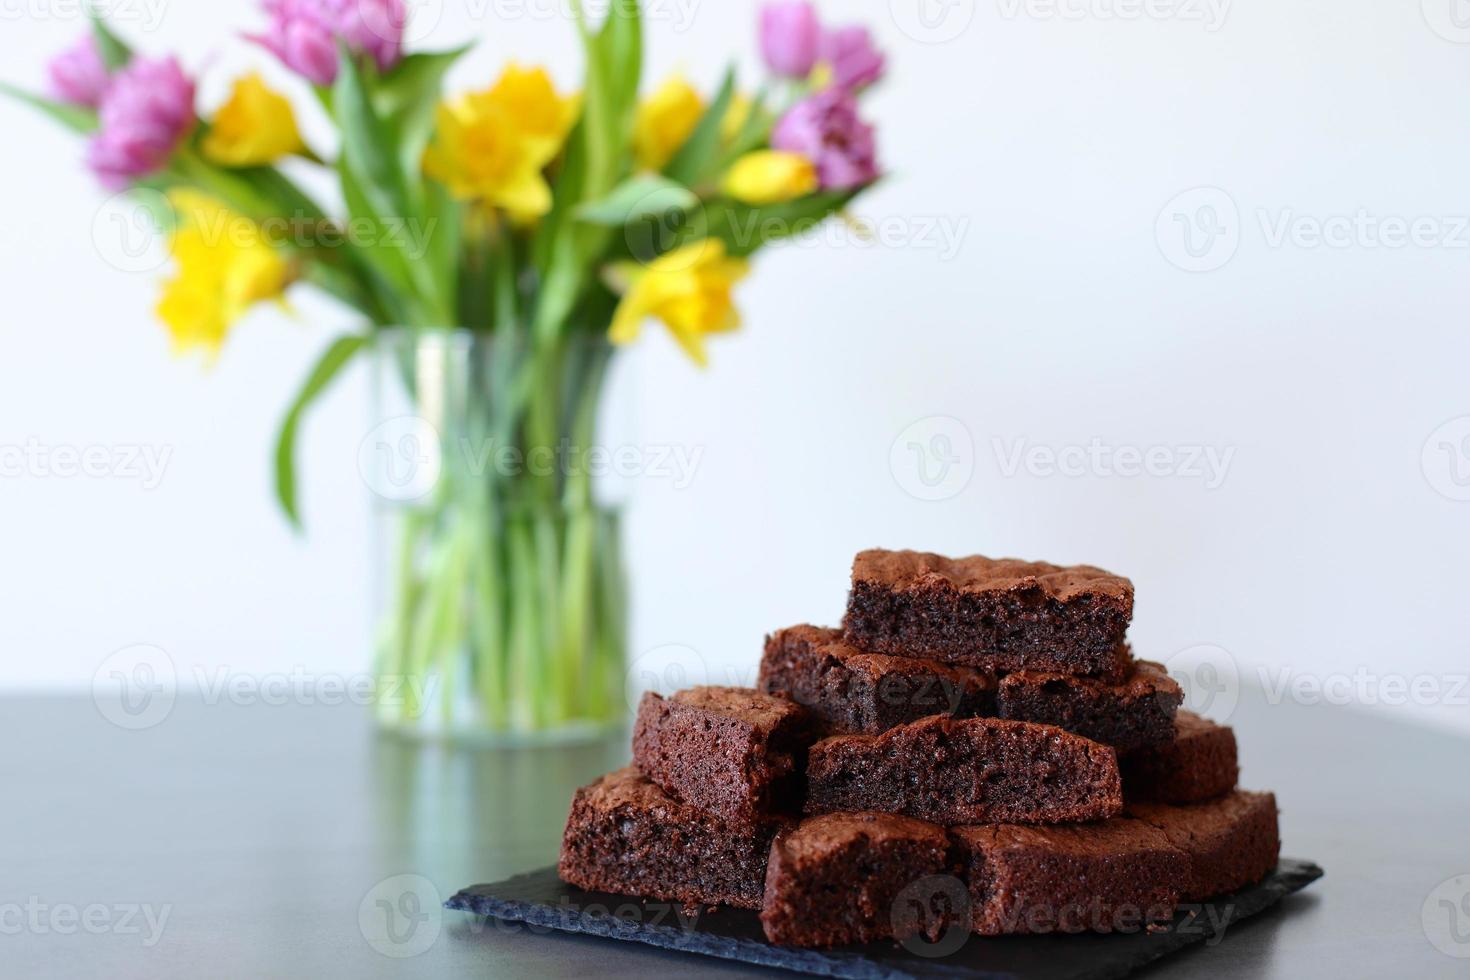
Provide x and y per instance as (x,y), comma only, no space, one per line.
(974,630)
(719,763)
(936,768)
(1138,712)
(848,894)
(854,692)
(1200,763)
(662,850)
(1125,876)
(1232,842)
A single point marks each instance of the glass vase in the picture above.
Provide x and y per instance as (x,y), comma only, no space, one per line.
(502,594)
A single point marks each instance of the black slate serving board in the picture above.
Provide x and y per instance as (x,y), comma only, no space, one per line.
(541,900)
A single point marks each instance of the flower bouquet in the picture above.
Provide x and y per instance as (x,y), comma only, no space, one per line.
(495,246)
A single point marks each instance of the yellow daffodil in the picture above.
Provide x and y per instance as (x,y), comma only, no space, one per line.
(665,121)
(493,146)
(225,266)
(770,177)
(689,289)
(254,128)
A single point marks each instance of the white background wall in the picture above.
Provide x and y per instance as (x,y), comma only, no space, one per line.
(1050,142)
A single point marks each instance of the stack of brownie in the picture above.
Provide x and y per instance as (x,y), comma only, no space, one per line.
(976,721)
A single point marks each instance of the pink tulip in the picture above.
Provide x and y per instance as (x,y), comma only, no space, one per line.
(856,62)
(146,112)
(304,33)
(791,35)
(826,129)
(79,75)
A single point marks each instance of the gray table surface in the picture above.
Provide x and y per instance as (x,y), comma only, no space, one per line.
(257,841)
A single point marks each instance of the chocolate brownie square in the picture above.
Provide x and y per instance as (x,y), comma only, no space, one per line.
(1115,876)
(1231,842)
(852,692)
(971,770)
(728,750)
(1138,711)
(994,614)
(1199,763)
(836,880)
(628,837)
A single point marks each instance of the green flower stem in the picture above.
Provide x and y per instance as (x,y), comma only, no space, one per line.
(508,601)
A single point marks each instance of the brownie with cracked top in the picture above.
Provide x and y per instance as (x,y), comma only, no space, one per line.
(1200,762)
(1231,842)
(729,750)
(839,879)
(1135,712)
(627,836)
(853,692)
(966,771)
(993,614)
(1115,876)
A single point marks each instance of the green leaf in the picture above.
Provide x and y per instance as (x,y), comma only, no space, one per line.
(567,252)
(76,118)
(115,54)
(337,356)
(367,142)
(406,99)
(639,197)
(745,229)
(754,133)
(694,161)
(376,189)
(621,41)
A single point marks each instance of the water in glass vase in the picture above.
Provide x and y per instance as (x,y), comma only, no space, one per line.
(502,595)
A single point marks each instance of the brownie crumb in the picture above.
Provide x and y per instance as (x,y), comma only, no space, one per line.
(1232,842)
(1137,712)
(731,751)
(836,880)
(853,692)
(993,614)
(1119,875)
(967,771)
(626,836)
(1200,762)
